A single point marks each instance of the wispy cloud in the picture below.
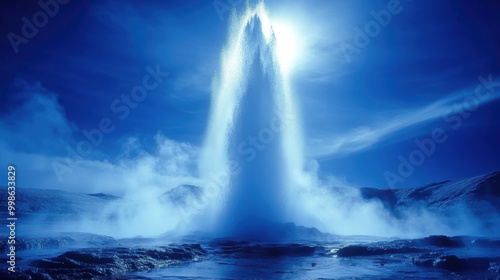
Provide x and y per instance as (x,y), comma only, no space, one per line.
(38,123)
(365,137)
(37,133)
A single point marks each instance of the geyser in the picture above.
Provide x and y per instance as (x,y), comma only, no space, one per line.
(253,148)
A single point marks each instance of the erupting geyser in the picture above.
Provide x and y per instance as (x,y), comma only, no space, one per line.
(253,149)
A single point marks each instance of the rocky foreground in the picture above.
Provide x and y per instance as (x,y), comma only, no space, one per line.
(63,257)
(305,253)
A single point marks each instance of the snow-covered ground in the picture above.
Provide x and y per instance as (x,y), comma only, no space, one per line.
(305,253)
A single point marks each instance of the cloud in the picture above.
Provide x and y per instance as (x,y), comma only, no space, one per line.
(38,124)
(187,83)
(366,137)
(141,175)
(34,139)
(36,134)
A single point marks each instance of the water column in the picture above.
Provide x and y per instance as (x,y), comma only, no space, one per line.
(253,139)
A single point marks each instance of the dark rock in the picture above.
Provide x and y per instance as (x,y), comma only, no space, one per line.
(354,250)
(98,263)
(441,241)
(479,264)
(40,243)
(86,257)
(452,263)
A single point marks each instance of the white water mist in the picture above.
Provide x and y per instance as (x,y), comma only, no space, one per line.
(253,145)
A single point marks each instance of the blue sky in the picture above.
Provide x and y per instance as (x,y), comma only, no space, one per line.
(362,112)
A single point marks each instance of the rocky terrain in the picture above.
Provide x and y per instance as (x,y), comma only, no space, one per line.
(297,252)
(103,257)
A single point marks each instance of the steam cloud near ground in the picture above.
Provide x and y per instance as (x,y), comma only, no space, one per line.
(35,135)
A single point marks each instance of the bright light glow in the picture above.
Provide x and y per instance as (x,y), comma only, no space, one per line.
(287,40)
(287,45)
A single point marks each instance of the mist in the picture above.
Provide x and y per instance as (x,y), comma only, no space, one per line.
(227,186)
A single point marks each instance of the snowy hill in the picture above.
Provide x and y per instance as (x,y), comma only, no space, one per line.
(29,201)
(484,188)
(479,195)
(480,191)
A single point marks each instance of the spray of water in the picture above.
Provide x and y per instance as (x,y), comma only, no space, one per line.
(252,172)
(253,148)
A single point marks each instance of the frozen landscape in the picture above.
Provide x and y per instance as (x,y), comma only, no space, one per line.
(294,252)
(251,190)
